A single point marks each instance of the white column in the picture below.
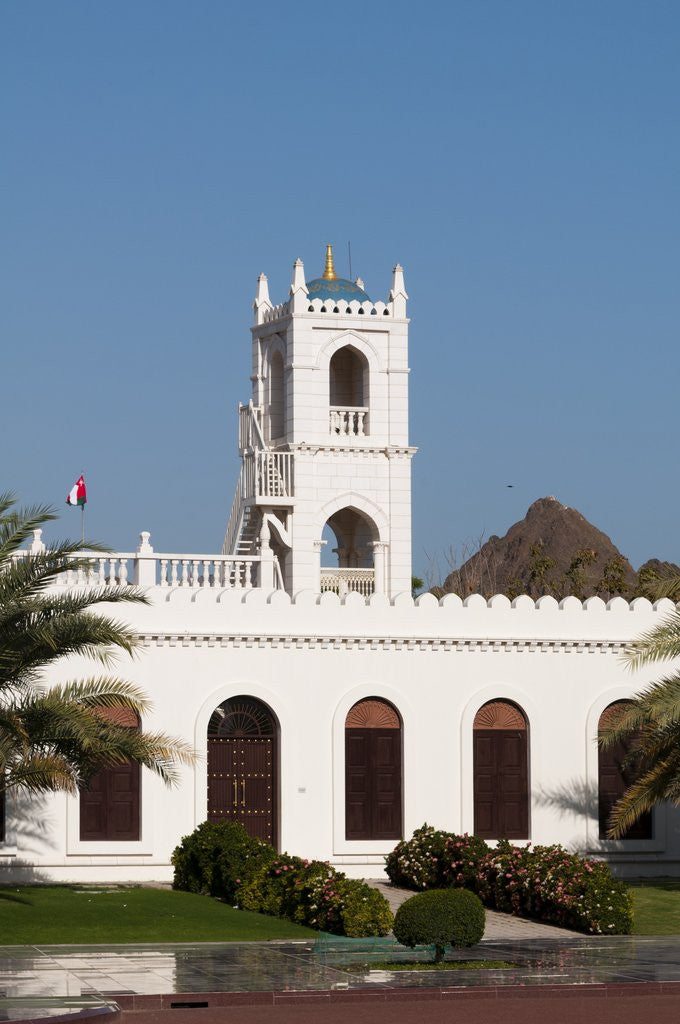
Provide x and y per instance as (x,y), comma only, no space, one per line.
(379,554)
(318,548)
(145,563)
(266,580)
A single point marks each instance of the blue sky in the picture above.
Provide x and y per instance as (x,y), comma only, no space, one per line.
(521,159)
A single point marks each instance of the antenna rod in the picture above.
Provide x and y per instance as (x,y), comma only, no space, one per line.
(349,253)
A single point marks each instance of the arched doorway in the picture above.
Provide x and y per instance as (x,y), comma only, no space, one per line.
(614,777)
(501,779)
(373,771)
(242,766)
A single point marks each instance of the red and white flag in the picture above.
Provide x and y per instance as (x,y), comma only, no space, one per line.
(77,495)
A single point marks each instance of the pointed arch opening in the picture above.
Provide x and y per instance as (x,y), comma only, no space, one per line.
(277,399)
(373,772)
(348,560)
(614,775)
(349,379)
(243,766)
(500,770)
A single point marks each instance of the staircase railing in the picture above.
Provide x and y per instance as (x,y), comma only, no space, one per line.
(264,473)
(235,518)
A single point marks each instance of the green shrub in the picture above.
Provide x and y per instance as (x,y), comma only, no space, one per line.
(440,917)
(217,858)
(433,859)
(315,894)
(364,911)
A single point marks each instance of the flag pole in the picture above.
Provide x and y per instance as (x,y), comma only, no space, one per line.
(82,525)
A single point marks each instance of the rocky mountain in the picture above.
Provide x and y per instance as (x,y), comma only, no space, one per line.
(553,550)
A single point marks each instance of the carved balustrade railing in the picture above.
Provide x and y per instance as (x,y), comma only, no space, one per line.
(342,581)
(348,420)
(163,570)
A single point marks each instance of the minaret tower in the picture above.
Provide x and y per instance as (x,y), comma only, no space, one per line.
(325,438)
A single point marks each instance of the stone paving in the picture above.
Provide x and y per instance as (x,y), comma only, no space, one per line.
(218,974)
(498,926)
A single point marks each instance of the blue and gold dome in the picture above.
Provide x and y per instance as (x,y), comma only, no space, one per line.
(332,287)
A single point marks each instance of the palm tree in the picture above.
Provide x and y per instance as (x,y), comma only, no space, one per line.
(56,737)
(649,725)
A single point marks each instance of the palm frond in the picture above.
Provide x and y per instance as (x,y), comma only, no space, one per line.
(55,738)
(654,786)
(659,644)
(41,773)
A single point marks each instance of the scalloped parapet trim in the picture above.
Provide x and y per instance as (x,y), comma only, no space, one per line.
(340,308)
(426,602)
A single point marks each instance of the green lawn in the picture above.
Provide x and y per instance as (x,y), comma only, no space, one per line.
(73,914)
(656,907)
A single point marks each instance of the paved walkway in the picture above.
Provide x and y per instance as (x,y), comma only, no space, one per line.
(153,977)
(498,926)
(215,982)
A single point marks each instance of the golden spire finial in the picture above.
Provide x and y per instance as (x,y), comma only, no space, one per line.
(329,273)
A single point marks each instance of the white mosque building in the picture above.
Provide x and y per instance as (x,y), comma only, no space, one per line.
(332,713)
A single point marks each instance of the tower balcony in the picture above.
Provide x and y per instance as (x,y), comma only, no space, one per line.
(268,478)
(348,421)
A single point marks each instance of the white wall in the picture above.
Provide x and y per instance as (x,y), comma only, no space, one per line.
(310,661)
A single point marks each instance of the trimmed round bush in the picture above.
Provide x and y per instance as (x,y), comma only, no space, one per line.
(217,858)
(440,917)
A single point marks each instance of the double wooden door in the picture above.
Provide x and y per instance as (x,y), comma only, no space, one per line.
(501,789)
(241,784)
(373,783)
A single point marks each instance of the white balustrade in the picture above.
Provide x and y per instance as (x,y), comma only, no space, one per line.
(342,581)
(193,572)
(348,420)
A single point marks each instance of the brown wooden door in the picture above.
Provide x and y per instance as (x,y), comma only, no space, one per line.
(614,779)
(110,806)
(242,766)
(241,783)
(373,783)
(501,792)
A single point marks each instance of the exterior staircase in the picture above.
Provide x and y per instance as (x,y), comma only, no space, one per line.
(248,536)
(265,483)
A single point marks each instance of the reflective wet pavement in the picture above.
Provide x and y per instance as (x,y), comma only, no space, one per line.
(78,975)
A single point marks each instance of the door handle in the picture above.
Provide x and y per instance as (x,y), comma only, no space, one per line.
(243,793)
(235,793)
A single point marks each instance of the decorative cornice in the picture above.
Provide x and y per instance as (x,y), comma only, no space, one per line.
(384,643)
(390,451)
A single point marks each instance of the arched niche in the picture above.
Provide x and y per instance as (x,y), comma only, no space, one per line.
(277,398)
(373,771)
(614,775)
(500,771)
(348,387)
(110,804)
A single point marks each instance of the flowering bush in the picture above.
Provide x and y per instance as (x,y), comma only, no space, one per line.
(556,886)
(546,882)
(436,860)
(315,894)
